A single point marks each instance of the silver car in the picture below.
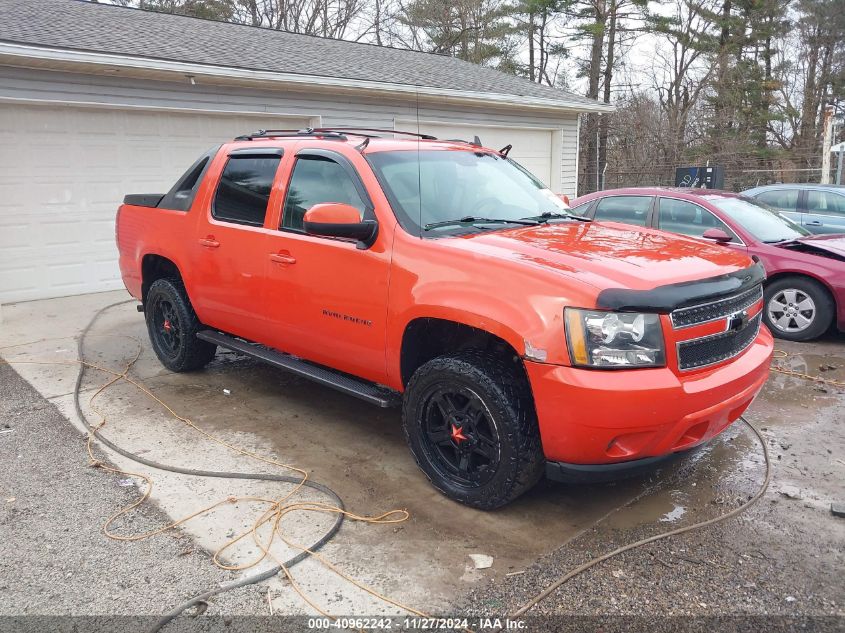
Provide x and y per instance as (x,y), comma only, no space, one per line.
(818,208)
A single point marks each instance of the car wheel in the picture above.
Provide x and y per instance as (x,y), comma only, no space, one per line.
(797,308)
(470,423)
(173,325)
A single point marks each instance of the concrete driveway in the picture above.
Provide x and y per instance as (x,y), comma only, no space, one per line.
(359,451)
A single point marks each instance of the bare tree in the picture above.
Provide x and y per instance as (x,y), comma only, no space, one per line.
(681,71)
(328,18)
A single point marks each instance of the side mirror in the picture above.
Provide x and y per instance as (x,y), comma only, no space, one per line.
(336,219)
(717,235)
(564,197)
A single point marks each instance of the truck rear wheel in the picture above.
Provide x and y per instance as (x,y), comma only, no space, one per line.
(470,423)
(173,326)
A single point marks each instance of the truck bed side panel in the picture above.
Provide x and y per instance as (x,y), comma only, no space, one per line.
(145,231)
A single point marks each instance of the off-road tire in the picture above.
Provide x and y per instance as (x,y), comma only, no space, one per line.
(189,353)
(823,303)
(504,391)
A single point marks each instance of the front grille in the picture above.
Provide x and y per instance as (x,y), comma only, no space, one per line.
(695,315)
(714,349)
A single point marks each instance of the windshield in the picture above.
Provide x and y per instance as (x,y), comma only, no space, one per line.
(764,223)
(433,186)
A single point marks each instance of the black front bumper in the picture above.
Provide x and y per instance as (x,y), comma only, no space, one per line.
(598,473)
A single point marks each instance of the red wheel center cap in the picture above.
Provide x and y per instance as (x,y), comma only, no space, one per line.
(167,326)
(458,434)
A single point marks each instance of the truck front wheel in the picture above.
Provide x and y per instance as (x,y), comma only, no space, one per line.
(173,326)
(470,423)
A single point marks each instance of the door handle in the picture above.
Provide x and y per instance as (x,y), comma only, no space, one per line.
(282,258)
(209,242)
(814,223)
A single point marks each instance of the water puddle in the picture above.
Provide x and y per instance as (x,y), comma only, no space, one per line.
(673,515)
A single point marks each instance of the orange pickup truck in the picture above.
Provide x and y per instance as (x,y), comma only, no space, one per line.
(518,338)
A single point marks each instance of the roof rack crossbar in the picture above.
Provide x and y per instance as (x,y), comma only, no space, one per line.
(426,137)
(292,133)
(334,132)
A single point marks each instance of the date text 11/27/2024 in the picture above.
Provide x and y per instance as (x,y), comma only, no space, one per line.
(418,623)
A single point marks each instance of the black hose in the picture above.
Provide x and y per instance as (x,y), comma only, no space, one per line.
(243,582)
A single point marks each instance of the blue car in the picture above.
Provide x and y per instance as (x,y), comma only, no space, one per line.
(818,208)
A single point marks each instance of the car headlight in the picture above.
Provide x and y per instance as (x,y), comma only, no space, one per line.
(611,340)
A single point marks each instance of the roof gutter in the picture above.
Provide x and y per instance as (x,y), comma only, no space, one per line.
(20,54)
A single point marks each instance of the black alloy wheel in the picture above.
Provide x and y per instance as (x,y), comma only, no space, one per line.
(167,327)
(173,325)
(461,438)
(470,423)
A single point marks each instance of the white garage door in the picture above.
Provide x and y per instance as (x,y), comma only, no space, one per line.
(532,148)
(65,170)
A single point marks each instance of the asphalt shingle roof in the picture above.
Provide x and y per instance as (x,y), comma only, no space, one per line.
(86,26)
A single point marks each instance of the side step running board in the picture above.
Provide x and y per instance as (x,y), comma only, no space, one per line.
(371,392)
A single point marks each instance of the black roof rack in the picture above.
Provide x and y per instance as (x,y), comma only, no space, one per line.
(292,133)
(426,137)
(339,133)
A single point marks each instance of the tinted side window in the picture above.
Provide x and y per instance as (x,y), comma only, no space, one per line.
(627,209)
(825,202)
(686,218)
(783,199)
(315,180)
(244,189)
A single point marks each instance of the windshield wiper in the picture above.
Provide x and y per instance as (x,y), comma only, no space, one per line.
(474,219)
(547,215)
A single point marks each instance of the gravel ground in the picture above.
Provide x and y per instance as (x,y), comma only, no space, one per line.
(54,557)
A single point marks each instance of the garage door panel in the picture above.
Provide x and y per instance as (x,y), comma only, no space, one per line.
(22,280)
(95,154)
(99,194)
(63,276)
(13,236)
(63,233)
(60,190)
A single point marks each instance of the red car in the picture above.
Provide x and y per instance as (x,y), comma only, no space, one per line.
(805,286)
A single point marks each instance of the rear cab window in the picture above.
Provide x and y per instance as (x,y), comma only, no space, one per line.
(181,195)
(244,189)
(626,209)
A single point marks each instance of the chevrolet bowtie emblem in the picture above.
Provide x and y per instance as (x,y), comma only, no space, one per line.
(737,321)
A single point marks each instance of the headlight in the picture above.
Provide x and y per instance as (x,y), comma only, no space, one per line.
(614,339)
